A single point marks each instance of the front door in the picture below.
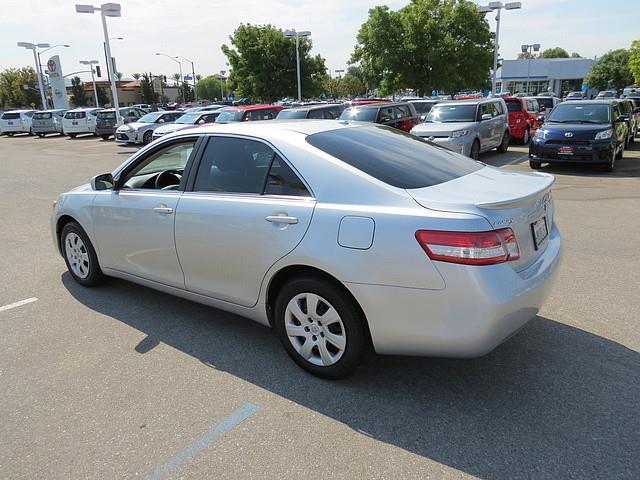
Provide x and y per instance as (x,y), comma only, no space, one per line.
(134,223)
(247,208)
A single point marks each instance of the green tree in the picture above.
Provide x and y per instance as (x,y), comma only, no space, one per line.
(576,55)
(611,71)
(118,76)
(147,93)
(210,88)
(634,61)
(78,96)
(136,76)
(12,88)
(187,92)
(331,87)
(555,52)
(441,44)
(263,64)
(176,78)
(351,86)
(103,98)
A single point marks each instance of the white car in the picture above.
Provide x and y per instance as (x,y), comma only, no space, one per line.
(343,236)
(143,106)
(16,121)
(79,120)
(141,131)
(188,120)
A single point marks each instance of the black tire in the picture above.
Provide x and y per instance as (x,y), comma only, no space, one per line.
(610,165)
(41,135)
(349,313)
(146,138)
(94,276)
(10,134)
(504,145)
(475,150)
(620,152)
(526,137)
(535,165)
(73,135)
(105,137)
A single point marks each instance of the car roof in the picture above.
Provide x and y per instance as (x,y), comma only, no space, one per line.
(51,110)
(610,101)
(83,109)
(19,111)
(247,108)
(370,106)
(316,106)
(275,127)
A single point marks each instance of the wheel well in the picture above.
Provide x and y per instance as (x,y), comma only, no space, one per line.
(62,221)
(287,273)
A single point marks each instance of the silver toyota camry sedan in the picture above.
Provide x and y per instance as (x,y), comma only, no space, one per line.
(342,236)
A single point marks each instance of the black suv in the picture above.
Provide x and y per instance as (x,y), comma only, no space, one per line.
(628,107)
(330,111)
(402,116)
(590,131)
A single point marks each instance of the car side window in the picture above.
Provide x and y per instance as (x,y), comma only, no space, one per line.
(318,113)
(331,113)
(173,158)
(233,165)
(402,112)
(386,114)
(282,180)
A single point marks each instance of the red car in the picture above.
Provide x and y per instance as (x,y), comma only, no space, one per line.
(248,113)
(402,116)
(523,117)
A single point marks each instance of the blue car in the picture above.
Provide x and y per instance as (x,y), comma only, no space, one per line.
(586,131)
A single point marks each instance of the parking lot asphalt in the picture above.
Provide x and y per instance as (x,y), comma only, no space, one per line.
(121,381)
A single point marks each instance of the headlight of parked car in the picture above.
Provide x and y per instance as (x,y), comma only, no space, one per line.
(459,133)
(540,134)
(604,135)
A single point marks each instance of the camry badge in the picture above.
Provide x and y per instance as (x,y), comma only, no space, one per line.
(568,134)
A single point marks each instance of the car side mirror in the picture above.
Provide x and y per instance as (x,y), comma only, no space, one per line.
(540,118)
(485,116)
(161,120)
(542,108)
(102,182)
(623,118)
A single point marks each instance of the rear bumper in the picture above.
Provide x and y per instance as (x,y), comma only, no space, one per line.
(479,308)
(44,129)
(591,152)
(105,130)
(517,130)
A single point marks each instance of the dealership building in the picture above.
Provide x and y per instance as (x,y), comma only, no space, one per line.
(557,75)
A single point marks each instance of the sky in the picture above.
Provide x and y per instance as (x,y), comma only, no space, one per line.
(195,29)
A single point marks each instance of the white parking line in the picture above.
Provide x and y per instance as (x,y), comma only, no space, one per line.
(18,304)
(205,440)
(518,160)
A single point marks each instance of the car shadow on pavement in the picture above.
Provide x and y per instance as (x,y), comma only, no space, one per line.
(552,402)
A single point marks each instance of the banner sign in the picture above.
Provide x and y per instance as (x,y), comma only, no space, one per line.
(58,88)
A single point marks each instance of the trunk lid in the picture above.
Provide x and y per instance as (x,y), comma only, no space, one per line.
(504,199)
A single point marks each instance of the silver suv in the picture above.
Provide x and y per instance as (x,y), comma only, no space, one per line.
(469,127)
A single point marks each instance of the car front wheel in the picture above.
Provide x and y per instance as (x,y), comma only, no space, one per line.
(535,165)
(146,138)
(80,256)
(320,327)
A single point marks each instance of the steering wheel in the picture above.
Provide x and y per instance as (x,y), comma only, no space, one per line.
(168,180)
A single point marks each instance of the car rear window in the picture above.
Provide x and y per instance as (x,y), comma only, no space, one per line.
(10,116)
(42,115)
(513,105)
(393,156)
(107,115)
(291,114)
(74,115)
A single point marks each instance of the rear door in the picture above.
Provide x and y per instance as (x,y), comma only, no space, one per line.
(235,222)
(486,126)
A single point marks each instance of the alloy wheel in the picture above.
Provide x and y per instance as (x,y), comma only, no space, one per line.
(77,255)
(315,329)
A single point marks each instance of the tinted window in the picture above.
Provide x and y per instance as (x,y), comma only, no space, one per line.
(452,113)
(208,118)
(393,156)
(580,113)
(234,165)
(402,111)
(107,115)
(422,107)
(74,115)
(318,113)
(10,116)
(547,102)
(386,115)
(332,113)
(283,181)
(513,105)
(229,116)
(360,114)
(42,116)
(292,114)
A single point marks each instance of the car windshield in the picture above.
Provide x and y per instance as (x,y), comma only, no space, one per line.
(574,94)
(360,114)
(423,107)
(229,116)
(513,105)
(42,115)
(452,113)
(292,114)
(582,113)
(108,115)
(188,118)
(74,115)
(546,102)
(150,117)
(393,156)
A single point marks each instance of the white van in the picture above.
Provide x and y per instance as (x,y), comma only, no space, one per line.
(79,120)
(16,121)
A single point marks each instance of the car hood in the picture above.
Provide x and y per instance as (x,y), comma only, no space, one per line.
(134,126)
(172,127)
(578,131)
(440,129)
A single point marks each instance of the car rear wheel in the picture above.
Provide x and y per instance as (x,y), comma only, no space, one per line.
(80,256)
(73,135)
(10,134)
(610,165)
(146,138)
(535,165)
(504,145)
(525,137)
(105,137)
(320,327)
(475,150)
(41,135)
(620,152)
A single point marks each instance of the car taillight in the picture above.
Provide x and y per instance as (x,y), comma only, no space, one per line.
(470,248)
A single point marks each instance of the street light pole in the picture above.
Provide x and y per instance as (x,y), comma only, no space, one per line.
(107,10)
(91,63)
(33,47)
(179,64)
(496,45)
(222,72)
(527,49)
(297,35)
(193,76)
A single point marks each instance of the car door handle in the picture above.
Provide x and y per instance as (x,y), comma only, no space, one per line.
(163,210)
(281,219)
